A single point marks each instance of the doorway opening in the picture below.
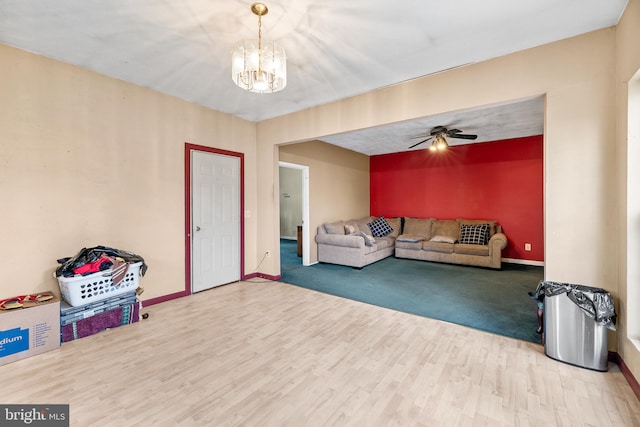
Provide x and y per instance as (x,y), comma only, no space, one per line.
(294,207)
(633,210)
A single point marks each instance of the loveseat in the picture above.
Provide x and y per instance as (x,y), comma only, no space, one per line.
(462,241)
(352,243)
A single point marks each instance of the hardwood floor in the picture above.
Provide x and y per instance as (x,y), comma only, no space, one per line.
(271,354)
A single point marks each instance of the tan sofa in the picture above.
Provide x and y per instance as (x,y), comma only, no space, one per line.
(338,243)
(449,241)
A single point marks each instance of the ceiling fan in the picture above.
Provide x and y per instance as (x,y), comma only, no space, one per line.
(438,134)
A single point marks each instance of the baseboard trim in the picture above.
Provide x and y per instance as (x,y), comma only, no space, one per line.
(523,261)
(262,276)
(176,295)
(626,372)
(163,298)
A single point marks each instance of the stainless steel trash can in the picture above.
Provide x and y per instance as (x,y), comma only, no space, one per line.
(572,336)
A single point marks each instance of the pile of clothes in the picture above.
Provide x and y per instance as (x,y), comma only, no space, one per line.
(99,258)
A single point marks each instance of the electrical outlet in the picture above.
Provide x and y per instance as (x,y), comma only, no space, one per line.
(267,254)
(527,246)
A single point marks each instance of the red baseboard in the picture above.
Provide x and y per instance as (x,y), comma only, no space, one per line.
(633,383)
(262,276)
(169,297)
(164,298)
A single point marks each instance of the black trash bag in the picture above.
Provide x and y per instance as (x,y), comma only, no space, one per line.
(538,294)
(596,303)
(87,255)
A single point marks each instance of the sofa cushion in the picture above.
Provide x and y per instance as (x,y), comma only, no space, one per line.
(417,245)
(361,223)
(380,227)
(443,239)
(334,227)
(384,242)
(477,234)
(441,247)
(396,224)
(461,248)
(445,227)
(418,226)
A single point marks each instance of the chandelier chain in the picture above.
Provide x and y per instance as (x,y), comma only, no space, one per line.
(259,42)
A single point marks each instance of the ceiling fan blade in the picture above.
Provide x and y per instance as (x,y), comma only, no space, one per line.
(462,136)
(452,131)
(415,145)
(419,136)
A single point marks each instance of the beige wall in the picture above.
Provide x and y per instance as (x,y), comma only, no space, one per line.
(579,121)
(628,163)
(338,183)
(88,160)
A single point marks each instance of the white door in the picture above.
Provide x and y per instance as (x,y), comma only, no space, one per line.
(215,220)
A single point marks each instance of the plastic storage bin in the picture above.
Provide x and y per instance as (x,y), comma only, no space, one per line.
(80,290)
(576,319)
(78,322)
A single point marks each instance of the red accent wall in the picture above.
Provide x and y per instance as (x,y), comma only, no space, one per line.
(500,180)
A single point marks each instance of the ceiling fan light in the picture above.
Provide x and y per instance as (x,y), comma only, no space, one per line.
(440,143)
(438,138)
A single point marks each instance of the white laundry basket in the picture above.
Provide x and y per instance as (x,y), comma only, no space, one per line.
(80,290)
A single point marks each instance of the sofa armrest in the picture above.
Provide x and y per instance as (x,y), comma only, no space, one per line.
(498,240)
(350,241)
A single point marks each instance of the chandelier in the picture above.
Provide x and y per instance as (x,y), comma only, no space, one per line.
(259,66)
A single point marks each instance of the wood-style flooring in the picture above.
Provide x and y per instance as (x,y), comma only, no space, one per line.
(271,354)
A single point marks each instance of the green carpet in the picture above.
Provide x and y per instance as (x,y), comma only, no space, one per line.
(489,300)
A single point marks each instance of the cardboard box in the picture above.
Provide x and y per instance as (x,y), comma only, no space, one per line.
(27,331)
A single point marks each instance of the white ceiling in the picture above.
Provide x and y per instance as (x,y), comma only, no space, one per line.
(491,123)
(335,49)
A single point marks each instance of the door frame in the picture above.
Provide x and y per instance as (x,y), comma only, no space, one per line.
(306,253)
(188,148)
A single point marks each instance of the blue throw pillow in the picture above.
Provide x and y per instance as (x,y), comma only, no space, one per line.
(380,227)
